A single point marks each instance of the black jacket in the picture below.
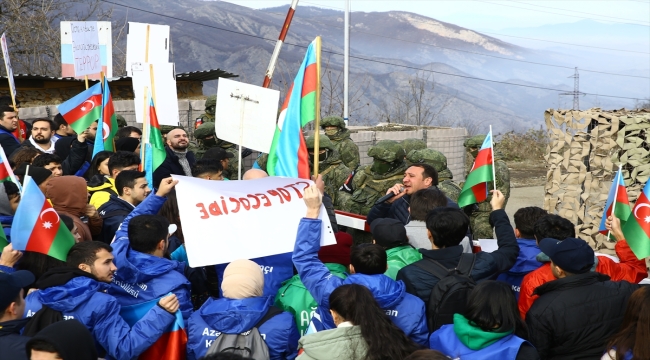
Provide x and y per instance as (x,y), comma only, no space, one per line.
(8,141)
(114,211)
(12,344)
(399,210)
(487,265)
(575,316)
(71,151)
(170,166)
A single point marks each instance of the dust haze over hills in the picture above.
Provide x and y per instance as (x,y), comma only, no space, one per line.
(397,44)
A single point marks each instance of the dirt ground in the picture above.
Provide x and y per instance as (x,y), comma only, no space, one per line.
(526,186)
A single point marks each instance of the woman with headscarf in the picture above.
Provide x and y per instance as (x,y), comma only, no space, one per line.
(69,196)
(241,309)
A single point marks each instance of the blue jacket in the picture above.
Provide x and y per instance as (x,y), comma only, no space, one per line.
(113,212)
(142,277)
(83,299)
(234,316)
(526,262)
(399,210)
(446,341)
(276,268)
(406,311)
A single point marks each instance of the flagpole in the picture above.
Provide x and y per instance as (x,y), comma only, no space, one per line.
(86,78)
(616,178)
(494,170)
(317,125)
(5,162)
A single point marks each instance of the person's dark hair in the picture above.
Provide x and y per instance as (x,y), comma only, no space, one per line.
(97,160)
(206,166)
(40,345)
(24,154)
(369,259)
(37,263)
(447,226)
(224,356)
(554,227)
(43,160)
(11,189)
(169,211)
(122,159)
(525,220)
(58,121)
(428,171)
(425,200)
(146,231)
(127,178)
(69,223)
(492,307)
(6,108)
(85,252)
(385,340)
(427,355)
(634,332)
(126,131)
(50,122)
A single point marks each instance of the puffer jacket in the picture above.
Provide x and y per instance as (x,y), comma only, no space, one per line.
(114,211)
(487,266)
(399,210)
(276,269)
(526,262)
(84,299)
(405,310)
(340,343)
(101,192)
(400,256)
(575,316)
(69,196)
(629,269)
(294,298)
(235,316)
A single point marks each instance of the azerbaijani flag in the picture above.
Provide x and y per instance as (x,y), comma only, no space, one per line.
(153,145)
(3,239)
(6,174)
(475,188)
(83,109)
(37,227)
(171,345)
(288,155)
(637,227)
(107,126)
(617,200)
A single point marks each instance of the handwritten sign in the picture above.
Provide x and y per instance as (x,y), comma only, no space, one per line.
(229,220)
(10,71)
(85,48)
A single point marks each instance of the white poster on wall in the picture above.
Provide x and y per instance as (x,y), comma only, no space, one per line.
(166,99)
(85,47)
(146,43)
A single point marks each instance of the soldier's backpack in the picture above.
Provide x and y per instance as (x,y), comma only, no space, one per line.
(449,295)
(249,344)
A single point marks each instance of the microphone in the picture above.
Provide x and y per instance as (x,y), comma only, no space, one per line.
(387,197)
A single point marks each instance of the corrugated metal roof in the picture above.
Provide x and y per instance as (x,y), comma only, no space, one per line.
(204,75)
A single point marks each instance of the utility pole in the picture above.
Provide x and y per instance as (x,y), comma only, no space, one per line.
(346,63)
(576,90)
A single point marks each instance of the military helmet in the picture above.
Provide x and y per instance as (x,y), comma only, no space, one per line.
(474,141)
(211,101)
(333,121)
(428,156)
(121,121)
(387,150)
(204,130)
(323,141)
(413,144)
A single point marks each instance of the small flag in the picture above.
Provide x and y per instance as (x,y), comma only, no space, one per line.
(107,125)
(154,146)
(172,345)
(616,200)
(475,188)
(637,227)
(83,109)
(37,227)
(6,173)
(288,155)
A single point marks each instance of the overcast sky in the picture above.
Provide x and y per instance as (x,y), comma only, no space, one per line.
(494,14)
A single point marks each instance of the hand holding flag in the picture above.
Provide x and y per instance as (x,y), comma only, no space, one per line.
(617,204)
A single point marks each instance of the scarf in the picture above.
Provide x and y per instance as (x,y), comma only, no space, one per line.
(182,159)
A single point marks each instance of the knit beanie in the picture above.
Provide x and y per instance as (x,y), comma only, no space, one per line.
(127,144)
(242,279)
(70,338)
(338,253)
(38,174)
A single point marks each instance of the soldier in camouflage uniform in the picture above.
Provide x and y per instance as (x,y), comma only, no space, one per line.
(121,121)
(439,161)
(336,131)
(262,158)
(480,218)
(413,144)
(330,166)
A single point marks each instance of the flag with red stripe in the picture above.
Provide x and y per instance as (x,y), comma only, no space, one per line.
(617,203)
(83,109)
(475,189)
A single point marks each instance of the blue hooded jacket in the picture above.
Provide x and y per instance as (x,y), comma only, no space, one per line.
(83,299)
(117,210)
(526,262)
(142,277)
(276,269)
(405,310)
(234,316)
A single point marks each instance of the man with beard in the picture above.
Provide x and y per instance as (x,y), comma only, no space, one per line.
(41,138)
(179,160)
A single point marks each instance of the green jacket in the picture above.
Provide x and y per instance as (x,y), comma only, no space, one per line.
(340,343)
(294,298)
(399,257)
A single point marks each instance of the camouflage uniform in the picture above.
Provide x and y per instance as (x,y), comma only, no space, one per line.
(348,150)
(261,161)
(413,144)
(439,161)
(480,218)
(332,169)
(121,121)
(206,130)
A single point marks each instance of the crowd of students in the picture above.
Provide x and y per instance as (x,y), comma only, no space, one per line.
(418,291)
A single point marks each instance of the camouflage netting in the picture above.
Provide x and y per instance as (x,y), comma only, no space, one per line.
(583,155)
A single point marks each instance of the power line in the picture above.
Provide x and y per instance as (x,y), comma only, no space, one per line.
(579,12)
(359,57)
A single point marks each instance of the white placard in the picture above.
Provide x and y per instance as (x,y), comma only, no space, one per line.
(166,100)
(488,245)
(85,47)
(105,33)
(136,45)
(10,70)
(229,220)
(254,125)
